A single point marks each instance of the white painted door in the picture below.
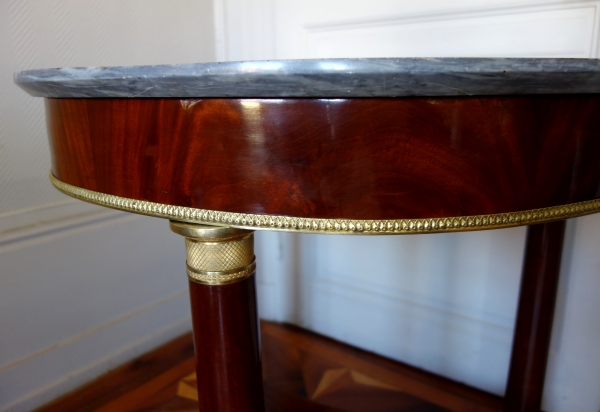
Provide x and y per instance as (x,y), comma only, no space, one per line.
(445,302)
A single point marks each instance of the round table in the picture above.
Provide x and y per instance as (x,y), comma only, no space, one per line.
(345,147)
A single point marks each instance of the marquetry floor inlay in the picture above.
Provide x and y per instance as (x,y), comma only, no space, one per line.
(302,372)
(301,375)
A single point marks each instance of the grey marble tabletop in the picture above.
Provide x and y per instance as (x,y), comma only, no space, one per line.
(328,78)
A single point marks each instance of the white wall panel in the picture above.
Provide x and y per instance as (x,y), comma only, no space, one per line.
(440,302)
(573,375)
(520,34)
(445,303)
(81,297)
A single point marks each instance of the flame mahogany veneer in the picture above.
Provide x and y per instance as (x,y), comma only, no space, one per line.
(361,158)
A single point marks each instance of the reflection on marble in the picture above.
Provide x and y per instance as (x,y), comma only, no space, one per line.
(322,78)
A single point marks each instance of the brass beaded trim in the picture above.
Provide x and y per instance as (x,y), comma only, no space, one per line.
(220,278)
(331,226)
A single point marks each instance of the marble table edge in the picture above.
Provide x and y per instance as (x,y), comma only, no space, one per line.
(325,78)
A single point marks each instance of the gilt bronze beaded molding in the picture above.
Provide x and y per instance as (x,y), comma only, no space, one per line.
(331,226)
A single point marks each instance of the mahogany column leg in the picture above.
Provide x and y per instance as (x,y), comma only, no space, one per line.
(221,267)
(534,317)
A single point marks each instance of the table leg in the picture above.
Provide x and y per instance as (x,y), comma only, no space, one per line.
(534,317)
(221,267)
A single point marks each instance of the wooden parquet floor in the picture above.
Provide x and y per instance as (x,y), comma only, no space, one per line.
(302,371)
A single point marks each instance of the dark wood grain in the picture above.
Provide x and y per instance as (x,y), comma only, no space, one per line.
(334,158)
(534,317)
(294,360)
(125,378)
(292,355)
(227,350)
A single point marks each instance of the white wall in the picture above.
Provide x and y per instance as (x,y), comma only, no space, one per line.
(82,288)
(446,302)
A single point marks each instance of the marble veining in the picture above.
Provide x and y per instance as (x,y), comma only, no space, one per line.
(338,78)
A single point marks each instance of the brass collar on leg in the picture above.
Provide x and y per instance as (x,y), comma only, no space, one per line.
(217,255)
(207,232)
